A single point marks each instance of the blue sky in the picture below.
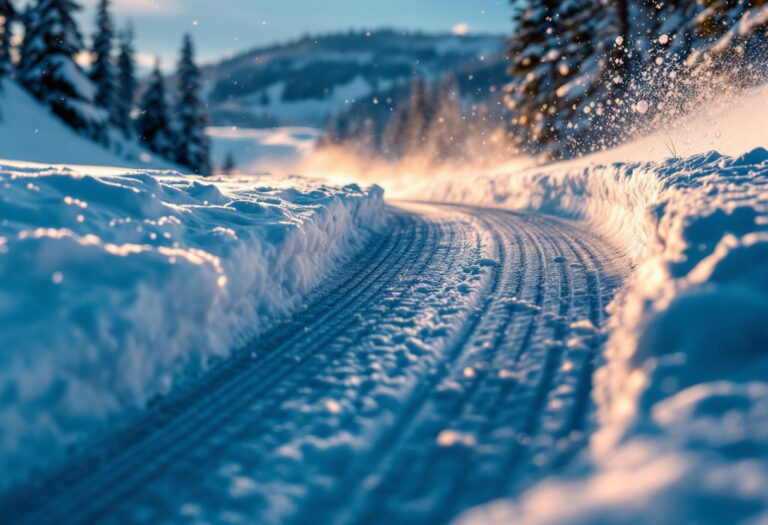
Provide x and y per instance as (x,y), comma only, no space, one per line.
(223,27)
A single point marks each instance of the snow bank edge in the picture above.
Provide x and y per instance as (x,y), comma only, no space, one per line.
(683,417)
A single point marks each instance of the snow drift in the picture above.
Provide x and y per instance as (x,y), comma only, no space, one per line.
(113,287)
(682,392)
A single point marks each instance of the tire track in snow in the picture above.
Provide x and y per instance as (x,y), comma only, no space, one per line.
(449,365)
(408,469)
(405,493)
(265,418)
(101,479)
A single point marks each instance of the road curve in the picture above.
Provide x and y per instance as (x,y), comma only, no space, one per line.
(447,365)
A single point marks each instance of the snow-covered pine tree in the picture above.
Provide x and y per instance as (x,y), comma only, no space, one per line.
(728,35)
(126,83)
(393,143)
(153,124)
(620,50)
(192,146)
(102,70)
(532,73)
(449,128)
(7,17)
(564,71)
(362,135)
(49,71)
(335,131)
(420,115)
(587,77)
(655,51)
(658,30)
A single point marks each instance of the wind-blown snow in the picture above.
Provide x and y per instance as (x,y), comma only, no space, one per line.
(111,287)
(682,394)
(730,122)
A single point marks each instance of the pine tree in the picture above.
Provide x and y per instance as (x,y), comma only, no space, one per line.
(361,134)
(335,130)
(715,25)
(192,147)
(102,70)
(49,71)
(653,60)
(532,73)
(564,71)
(450,124)
(586,76)
(7,17)
(126,87)
(228,166)
(420,114)
(393,143)
(153,124)
(659,30)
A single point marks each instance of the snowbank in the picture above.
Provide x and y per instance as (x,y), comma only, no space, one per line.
(111,287)
(682,394)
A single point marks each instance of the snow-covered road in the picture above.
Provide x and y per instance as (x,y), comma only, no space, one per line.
(448,365)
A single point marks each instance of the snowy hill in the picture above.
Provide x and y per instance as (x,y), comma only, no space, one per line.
(30,132)
(304,82)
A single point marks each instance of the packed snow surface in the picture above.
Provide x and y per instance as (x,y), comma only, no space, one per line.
(682,394)
(112,287)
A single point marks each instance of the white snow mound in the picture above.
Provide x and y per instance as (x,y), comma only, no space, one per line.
(113,287)
(682,394)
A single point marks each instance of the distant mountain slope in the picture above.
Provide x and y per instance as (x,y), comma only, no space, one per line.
(30,132)
(303,83)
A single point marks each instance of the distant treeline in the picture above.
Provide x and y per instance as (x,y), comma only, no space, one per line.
(431,121)
(582,75)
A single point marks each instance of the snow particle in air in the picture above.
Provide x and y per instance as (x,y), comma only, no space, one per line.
(332,406)
(450,438)
(664,40)
(57,277)
(642,107)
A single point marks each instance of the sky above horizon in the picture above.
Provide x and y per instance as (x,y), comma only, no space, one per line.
(225,27)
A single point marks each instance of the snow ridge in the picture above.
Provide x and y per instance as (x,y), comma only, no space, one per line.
(114,287)
(681,397)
